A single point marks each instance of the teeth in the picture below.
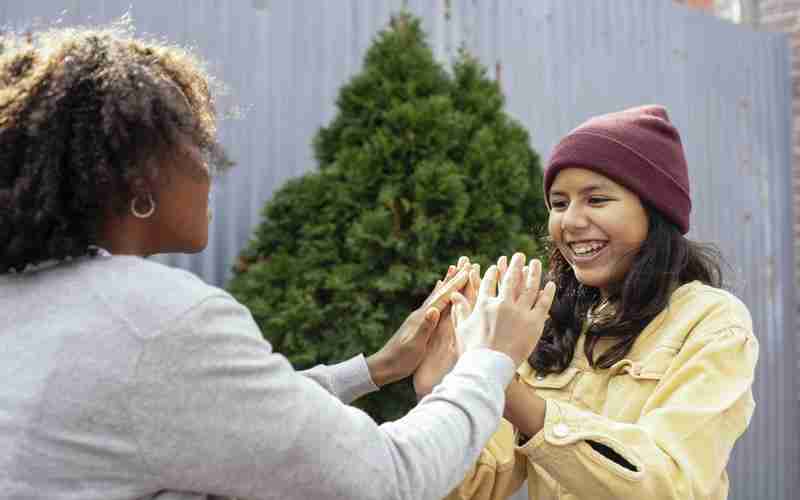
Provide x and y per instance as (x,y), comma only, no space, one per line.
(586,248)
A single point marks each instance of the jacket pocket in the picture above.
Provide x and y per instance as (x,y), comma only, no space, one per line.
(632,382)
(558,386)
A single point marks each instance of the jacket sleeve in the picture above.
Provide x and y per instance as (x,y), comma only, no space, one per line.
(499,471)
(678,448)
(214,410)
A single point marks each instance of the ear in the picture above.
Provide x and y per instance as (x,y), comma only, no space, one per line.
(142,186)
(153,176)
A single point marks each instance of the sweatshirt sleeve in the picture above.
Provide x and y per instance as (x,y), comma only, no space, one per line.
(347,381)
(214,410)
(681,444)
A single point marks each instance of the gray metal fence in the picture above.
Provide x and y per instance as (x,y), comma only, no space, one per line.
(559,62)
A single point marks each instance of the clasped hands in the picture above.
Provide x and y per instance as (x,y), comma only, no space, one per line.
(465,312)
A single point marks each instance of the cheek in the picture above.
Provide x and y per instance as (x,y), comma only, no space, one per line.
(554,227)
(202,197)
(636,231)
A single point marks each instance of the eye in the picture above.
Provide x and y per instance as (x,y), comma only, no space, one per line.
(598,200)
(558,204)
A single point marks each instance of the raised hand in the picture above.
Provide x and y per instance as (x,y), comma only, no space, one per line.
(441,354)
(403,352)
(510,320)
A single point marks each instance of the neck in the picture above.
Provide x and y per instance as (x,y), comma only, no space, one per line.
(125,236)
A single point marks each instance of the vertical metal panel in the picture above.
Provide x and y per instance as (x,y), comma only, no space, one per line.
(727,89)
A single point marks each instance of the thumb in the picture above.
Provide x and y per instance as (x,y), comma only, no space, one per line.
(461,307)
(429,323)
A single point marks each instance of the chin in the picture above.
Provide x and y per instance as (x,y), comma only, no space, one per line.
(593,279)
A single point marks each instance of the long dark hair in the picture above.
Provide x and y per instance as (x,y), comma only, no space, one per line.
(665,261)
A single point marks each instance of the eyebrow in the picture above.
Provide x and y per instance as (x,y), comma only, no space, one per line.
(587,189)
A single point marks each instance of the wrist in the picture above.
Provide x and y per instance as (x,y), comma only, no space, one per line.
(379,370)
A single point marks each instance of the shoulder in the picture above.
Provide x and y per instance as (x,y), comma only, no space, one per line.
(151,296)
(699,312)
(712,306)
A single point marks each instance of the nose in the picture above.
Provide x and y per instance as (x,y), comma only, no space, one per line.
(574,218)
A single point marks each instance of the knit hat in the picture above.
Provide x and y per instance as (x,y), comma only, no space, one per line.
(638,148)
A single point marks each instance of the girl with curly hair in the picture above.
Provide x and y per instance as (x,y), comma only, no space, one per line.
(642,380)
(126,379)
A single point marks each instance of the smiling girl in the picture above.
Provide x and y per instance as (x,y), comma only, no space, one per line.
(641,382)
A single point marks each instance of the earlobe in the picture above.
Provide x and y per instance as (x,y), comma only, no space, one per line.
(148,212)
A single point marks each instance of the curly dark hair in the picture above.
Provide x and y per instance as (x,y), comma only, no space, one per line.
(81,112)
(665,261)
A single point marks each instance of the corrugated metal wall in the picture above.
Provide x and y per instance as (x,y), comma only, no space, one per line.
(559,62)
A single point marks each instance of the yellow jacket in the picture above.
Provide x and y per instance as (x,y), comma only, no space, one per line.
(673,409)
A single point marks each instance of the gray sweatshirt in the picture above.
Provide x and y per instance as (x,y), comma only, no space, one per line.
(126,379)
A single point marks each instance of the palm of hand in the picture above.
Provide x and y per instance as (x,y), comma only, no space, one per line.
(440,356)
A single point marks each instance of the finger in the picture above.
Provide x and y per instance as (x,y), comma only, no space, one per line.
(535,276)
(488,286)
(451,271)
(526,271)
(460,307)
(462,262)
(471,292)
(454,316)
(532,280)
(441,297)
(502,267)
(510,283)
(545,299)
(432,315)
(430,320)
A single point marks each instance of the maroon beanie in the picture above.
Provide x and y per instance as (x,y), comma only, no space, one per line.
(638,148)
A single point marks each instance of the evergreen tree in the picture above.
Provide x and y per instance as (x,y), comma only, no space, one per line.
(419,167)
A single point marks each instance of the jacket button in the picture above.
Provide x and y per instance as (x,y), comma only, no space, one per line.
(540,377)
(561,430)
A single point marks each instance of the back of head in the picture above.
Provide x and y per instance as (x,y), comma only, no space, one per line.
(81,110)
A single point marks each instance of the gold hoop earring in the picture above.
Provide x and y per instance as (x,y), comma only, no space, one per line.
(143,215)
